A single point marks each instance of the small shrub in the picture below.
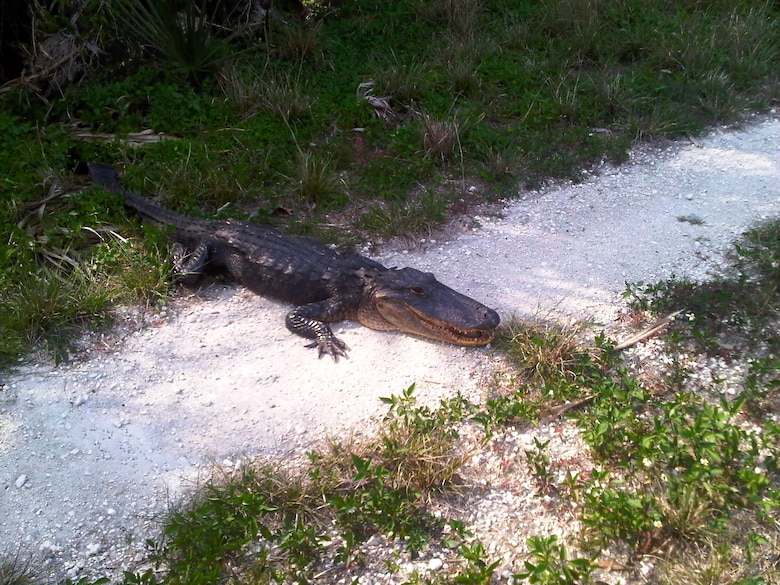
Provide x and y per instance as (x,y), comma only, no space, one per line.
(258,502)
(541,350)
(551,565)
(478,571)
(539,465)
(185,38)
(315,182)
(417,443)
(685,467)
(298,41)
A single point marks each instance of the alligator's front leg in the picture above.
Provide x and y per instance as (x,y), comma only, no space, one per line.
(309,321)
(190,267)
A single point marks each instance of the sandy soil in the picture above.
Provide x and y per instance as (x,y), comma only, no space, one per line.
(92,452)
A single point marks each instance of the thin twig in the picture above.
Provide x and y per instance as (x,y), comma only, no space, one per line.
(650,331)
(555,412)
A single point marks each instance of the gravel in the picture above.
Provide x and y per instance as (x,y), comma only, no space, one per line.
(94,451)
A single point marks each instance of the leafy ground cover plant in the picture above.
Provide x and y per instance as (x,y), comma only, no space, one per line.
(273,523)
(737,307)
(680,475)
(551,565)
(688,477)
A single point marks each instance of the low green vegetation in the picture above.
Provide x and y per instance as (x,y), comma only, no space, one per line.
(15,570)
(279,524)
(347,120)
(736,308)
(550,565)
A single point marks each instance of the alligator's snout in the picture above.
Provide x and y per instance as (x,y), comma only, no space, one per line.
(490,319)
(415,302)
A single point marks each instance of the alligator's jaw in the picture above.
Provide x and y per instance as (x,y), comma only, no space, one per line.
(443,331)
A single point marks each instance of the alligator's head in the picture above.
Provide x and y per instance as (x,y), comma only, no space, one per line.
(415,302)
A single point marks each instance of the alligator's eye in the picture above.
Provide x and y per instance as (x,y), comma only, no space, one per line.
(417,290)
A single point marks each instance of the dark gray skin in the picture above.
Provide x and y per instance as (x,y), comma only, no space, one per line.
(325,285)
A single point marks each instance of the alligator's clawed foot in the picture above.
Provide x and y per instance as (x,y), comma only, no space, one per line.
(330,345)
(179,255)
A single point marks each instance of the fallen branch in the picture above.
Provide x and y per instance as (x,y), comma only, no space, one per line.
(555,412)
(135,139)
(649,332)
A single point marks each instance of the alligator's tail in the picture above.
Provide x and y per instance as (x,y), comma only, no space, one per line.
(105,176)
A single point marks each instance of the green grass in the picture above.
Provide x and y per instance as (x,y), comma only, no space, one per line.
(66,268)
(540,349)
(315,183)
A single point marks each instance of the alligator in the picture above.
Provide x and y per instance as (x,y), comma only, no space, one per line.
(325,285)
